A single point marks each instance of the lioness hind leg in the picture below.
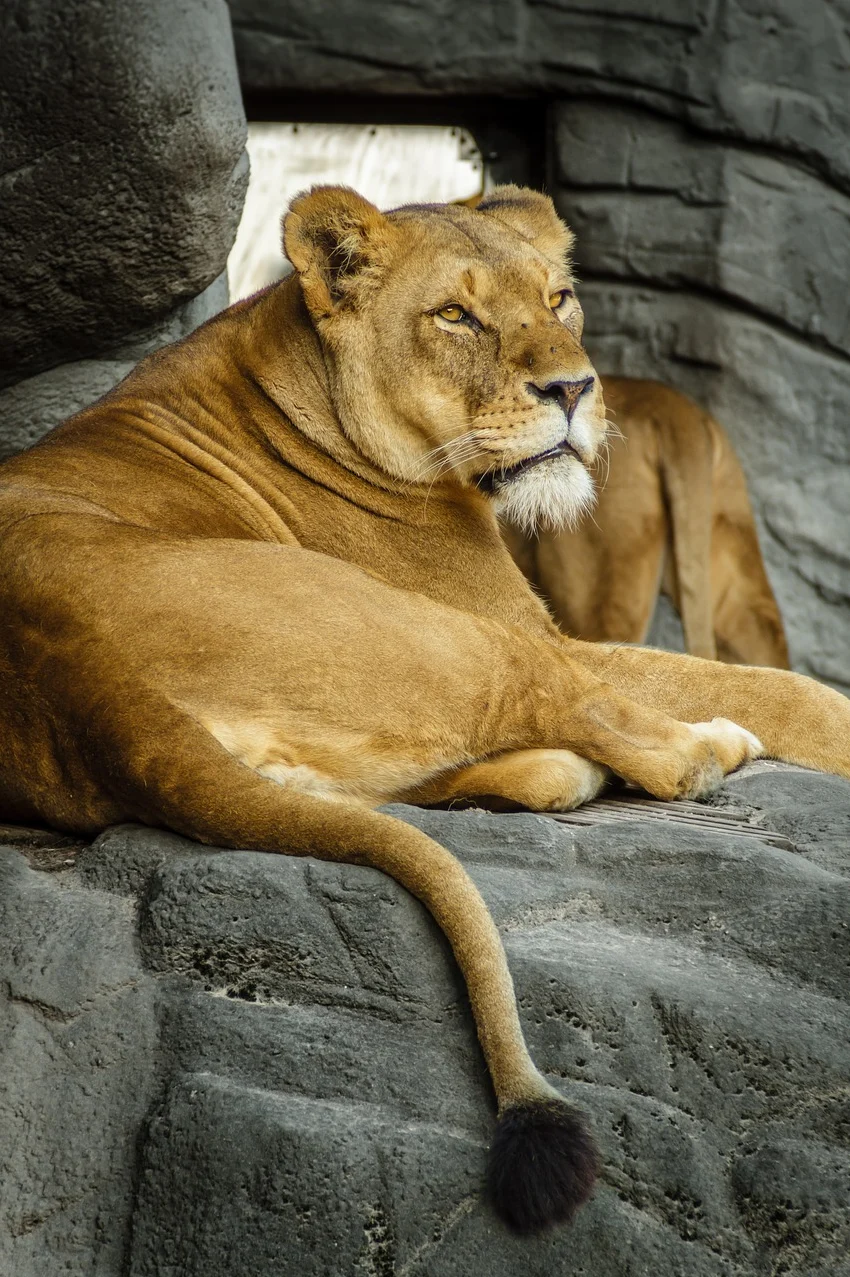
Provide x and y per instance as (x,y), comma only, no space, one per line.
(540,779)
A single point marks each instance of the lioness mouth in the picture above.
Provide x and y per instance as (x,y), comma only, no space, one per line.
(494,479)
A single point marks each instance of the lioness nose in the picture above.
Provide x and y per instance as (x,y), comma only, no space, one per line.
(564,393)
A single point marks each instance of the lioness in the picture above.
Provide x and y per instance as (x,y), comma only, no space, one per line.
(260,588)
(673,515)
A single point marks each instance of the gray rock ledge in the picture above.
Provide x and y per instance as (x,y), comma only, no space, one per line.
(225,1064)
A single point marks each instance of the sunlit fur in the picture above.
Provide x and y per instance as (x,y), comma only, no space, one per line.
(380,287)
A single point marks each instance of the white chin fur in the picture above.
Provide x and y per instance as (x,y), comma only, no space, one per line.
(553,494)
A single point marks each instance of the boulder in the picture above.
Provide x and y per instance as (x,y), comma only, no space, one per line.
(124,171)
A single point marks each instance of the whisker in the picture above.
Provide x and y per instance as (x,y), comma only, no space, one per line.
(441,447)
(450,453)
(444,464)
(472,449)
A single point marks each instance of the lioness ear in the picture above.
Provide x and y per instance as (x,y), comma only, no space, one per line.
(533,216)
(336,241)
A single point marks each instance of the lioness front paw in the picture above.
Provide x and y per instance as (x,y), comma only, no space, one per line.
(728,746)
(697,761)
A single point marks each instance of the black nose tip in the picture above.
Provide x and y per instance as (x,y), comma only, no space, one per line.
(565,393)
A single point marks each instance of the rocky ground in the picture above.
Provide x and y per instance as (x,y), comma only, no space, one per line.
(220,1062)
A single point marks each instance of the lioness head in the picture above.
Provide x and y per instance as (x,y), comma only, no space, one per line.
(452,338)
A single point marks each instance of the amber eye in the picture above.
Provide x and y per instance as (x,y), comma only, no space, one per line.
(453,313)
(557,299)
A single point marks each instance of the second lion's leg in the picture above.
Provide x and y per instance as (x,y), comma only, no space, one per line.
(539,779)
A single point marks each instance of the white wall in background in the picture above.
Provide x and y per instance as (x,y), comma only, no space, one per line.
(390,164)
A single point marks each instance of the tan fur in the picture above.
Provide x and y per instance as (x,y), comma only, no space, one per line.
(262,573)
(673,514)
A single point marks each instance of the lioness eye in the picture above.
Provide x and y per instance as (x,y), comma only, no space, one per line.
(558,299)
(453,313)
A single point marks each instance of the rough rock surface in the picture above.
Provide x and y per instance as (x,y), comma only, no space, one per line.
(78,1041)
(770,71)
(274,1069)
(123,172)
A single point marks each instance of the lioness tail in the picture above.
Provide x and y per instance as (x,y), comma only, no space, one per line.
(543,1159)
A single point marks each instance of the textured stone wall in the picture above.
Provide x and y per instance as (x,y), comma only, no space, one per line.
(225,1064)
(771,71)
(700,151)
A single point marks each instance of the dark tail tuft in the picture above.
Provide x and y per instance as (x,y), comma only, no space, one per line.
(543,1164)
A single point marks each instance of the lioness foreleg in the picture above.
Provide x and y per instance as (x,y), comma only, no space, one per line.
(797,719)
